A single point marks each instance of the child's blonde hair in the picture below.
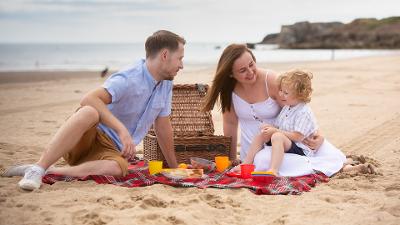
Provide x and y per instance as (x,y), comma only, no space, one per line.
(299,81)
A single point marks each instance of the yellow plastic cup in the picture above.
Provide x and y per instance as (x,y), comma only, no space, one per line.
(155,166)
(222,162)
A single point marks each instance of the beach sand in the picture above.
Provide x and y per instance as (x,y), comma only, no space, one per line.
(356,102)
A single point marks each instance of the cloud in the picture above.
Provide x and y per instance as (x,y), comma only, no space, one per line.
(197,20)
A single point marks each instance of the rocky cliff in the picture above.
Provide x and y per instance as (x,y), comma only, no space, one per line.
(360,33)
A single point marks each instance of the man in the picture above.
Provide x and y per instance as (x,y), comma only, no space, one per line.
(103,133)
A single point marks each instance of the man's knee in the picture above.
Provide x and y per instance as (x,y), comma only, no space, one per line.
(88,114)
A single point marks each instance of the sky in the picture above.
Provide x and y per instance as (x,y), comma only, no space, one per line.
(118,21)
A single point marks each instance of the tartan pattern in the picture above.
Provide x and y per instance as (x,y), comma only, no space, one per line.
(138,176)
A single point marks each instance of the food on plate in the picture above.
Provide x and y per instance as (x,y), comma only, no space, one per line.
(183,173)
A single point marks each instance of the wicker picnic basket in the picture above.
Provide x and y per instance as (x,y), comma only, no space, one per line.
(193,129)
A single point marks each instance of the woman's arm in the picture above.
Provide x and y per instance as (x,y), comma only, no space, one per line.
(230,126)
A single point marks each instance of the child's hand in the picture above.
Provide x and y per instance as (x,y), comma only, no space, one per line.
(267,132)
(265,126)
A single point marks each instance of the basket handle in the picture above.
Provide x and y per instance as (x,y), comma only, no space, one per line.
(201,88)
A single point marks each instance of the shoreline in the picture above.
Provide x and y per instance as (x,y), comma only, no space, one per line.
(27,76)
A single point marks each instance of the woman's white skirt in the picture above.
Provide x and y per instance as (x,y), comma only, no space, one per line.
(328,160)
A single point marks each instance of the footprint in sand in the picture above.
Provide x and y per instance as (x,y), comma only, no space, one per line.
(49,121)
(30,207)
(150,216)
(193,201)
(393,210)
(393,191)
(92,218)
(213,201)
(354,199)
(395,187)
(329,199)
(125,205)
(106,201)
(174,220)
(137,198)
(9,152)
(47,216)
(153,202)
(280,221)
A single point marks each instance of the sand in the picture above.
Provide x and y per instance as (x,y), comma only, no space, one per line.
(357,105)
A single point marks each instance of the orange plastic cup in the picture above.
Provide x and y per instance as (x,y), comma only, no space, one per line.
(222,162)
(246,170)
(155,166)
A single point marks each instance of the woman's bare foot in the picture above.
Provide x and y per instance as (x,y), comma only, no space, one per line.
(365,168)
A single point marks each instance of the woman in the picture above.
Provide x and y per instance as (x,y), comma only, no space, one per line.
(249,96)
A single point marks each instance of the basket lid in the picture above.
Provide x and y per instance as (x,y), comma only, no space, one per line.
(186,117)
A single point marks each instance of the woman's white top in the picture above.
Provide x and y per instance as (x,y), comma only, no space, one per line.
(251,116)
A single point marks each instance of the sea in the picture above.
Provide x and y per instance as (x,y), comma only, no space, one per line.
(96,57)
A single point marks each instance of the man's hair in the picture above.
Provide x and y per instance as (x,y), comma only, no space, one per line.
(162,39)
(299,81)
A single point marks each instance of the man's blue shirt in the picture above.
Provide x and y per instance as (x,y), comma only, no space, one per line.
(137,100)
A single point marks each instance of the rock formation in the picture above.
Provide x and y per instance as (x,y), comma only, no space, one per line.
(360,33)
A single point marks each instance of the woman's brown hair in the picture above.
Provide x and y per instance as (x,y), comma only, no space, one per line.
(223,83)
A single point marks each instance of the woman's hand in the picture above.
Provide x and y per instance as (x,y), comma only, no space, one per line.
(314,141)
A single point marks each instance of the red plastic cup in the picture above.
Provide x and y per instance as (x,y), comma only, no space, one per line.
(246,170)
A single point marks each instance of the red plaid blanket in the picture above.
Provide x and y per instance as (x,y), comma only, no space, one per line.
(139,176)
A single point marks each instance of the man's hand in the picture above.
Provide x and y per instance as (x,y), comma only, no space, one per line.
(128,147)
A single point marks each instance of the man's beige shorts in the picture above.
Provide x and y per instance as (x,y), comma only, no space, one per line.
(96,145)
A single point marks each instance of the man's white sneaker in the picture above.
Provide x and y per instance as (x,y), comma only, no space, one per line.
(16,170)
(32,179)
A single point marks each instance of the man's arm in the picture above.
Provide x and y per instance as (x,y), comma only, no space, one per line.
(164,133)
(99,98)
